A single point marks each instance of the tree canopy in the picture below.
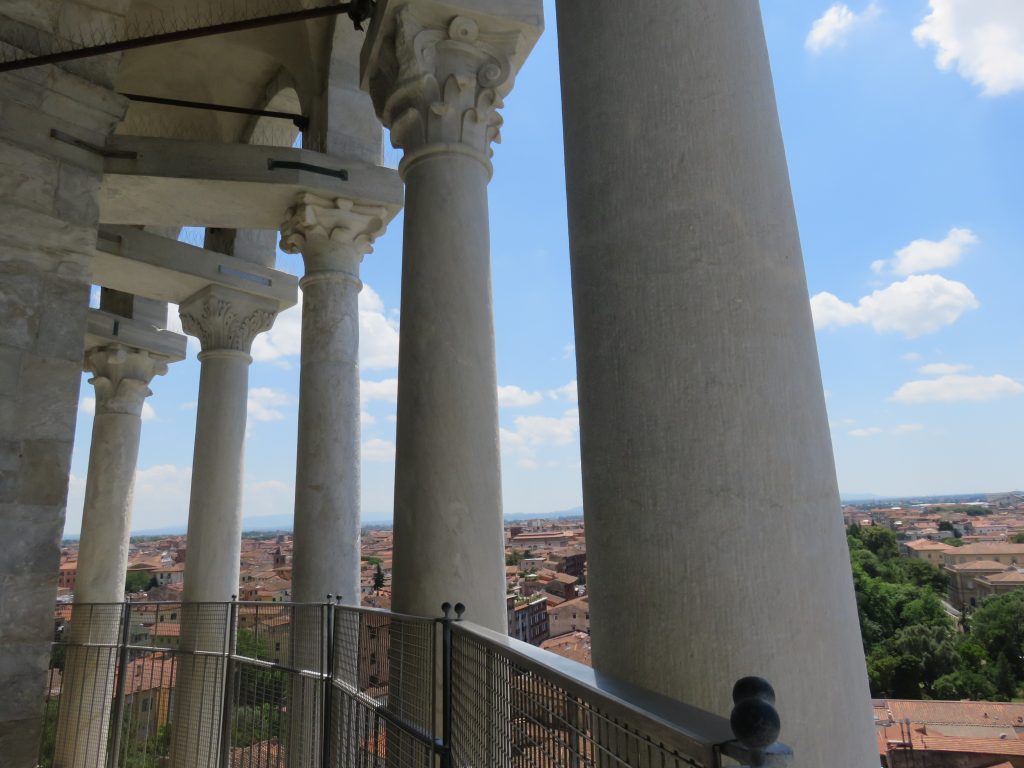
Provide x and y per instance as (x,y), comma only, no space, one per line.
(914,649)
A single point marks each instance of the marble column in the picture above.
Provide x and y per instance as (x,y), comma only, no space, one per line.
(225,321)
(332,236)
(715,542)
(439,92)
(121,377)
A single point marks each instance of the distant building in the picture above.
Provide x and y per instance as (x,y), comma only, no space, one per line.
(997,551)
(570,616)
(929,551)
(949,734)
(527,619)
(573,645)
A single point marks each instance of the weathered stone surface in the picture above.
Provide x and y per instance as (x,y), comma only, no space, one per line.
(48,396)
(10,368)
(76,195)
(19,739)
(21,664)
(20,295)
(27,178)
(44,472)
(61,333)
(39,537)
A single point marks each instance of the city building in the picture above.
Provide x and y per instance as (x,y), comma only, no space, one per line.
(699,386)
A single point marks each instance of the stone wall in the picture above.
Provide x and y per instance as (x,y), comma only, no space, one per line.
(48,217)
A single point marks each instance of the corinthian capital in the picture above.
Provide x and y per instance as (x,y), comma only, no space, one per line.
(332,234)
(226,319)
(121,376)
(438,79)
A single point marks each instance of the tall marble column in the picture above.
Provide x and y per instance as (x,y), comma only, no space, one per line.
(715,543)
(225,321)
(332,236)
(121,377)
(439,91)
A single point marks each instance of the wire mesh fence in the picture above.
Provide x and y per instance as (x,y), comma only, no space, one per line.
(282,685)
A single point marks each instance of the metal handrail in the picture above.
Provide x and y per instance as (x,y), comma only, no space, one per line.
(682,731)
(683,727)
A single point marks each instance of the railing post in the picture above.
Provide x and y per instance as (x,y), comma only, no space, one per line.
(444,747)
(328,678)
(121,671)
(229,683)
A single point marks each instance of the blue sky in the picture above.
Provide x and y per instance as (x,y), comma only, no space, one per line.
(901,120)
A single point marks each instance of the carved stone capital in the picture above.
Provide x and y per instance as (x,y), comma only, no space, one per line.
(332,235)
(121,377)
(438,83)
(224,319)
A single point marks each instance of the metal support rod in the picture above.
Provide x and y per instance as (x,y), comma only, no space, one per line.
(122,674)
(325,738)
(229,682)
(444,746)
(301,121)
(185,34)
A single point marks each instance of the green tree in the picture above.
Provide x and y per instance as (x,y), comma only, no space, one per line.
(1018,538)
(881,542)
(964,684)
(137,581)
(514,557)
(998,626)
(378,579)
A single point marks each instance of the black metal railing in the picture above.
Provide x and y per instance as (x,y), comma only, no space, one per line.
(282,685)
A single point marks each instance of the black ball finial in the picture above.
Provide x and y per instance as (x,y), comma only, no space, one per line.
(459,610)
(753,688)
(754,720)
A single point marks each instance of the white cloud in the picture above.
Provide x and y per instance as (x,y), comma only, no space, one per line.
(957,388)
(903,429)
(943,369)
(911,356)
(918,305)
(900,429)
(983,39)
(264,403)
(536,432)
(386,390)
(511,396)
(366,419)
(833,28)
(866,432)
(378,335)
(378,450)
(566,392)
(928,255)
(148,414)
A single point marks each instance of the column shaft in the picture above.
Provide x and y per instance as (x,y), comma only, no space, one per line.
(448,520)
(715,543)
(327,470)
(226,322)
(215,507)
(121,380)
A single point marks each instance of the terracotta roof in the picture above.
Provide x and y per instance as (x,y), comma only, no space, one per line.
(954,712)
(978,565)
(923,544)
(572,645)
(991,548)
(155,670)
